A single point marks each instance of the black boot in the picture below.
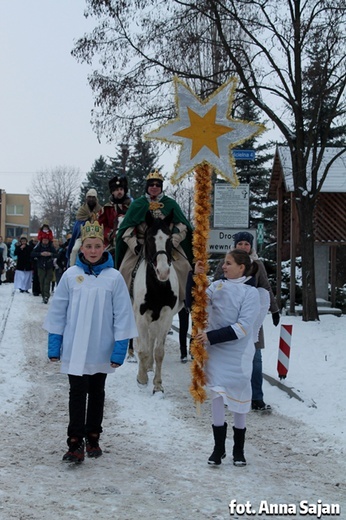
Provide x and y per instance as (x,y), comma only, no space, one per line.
(219,452)
(75,452)
(92,445)
(238,448)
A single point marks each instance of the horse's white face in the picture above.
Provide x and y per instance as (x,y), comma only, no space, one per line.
(162,267)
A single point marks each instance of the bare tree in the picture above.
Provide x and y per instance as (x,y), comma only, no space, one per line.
(54,193)
(268,45)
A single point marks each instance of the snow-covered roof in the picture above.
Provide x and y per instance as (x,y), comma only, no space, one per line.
(335,181)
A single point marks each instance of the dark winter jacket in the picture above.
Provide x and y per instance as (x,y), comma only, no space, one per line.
(61,258)
(24,260)
(44,262)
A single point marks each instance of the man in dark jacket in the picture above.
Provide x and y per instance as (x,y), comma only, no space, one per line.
(45,253)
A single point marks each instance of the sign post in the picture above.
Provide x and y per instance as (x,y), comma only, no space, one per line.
(260,235)
(284,350)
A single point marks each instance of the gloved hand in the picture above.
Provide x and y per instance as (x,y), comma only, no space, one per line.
(276,318)
(54,346)
(119,351)
(175,239)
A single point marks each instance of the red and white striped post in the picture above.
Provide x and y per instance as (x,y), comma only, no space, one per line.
(284,350)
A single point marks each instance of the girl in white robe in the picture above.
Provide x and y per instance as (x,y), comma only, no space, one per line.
(89,321)
(235,313)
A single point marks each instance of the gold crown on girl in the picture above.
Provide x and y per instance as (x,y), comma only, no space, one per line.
(155,175)
(92,230)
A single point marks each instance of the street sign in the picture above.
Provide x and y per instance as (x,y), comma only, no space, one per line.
(244,155)
(222,240)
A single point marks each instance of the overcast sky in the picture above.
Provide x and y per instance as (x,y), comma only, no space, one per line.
(45,99)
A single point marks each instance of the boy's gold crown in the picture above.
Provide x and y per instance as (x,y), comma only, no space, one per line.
(155,175)
(92,230)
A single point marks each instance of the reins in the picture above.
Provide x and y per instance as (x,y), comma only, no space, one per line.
(152,260)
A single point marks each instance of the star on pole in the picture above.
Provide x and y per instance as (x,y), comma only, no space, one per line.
(205,131)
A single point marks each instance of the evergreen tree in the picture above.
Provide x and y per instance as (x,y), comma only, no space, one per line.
(317,107)
(97,178)
(257,172)
(141,161)
(119,163)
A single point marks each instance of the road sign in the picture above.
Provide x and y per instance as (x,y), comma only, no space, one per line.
(222,240)
(244,155)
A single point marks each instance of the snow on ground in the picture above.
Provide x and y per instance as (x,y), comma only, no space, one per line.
(156,449)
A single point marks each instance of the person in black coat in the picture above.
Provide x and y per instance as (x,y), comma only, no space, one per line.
(23,272)
(36,290)
(61,260)
(45,253)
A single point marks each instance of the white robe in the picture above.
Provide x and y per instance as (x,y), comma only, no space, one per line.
(22,280)
(91,313)
(229,365)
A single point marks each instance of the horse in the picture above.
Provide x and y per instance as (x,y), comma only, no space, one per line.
(155,298)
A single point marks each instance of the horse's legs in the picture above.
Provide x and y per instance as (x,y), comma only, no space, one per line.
(159,353)
(151,355)
(143,359)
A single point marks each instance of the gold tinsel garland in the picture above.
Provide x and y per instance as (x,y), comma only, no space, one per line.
(199,314)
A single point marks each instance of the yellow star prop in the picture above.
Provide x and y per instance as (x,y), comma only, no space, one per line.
(205,131)
(206,134)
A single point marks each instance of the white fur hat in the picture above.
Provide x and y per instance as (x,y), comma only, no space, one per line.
(91,193)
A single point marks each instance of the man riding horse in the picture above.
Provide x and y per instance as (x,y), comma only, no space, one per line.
(114,211)
(130,236)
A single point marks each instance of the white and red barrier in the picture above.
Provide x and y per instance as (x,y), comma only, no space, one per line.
(284,350)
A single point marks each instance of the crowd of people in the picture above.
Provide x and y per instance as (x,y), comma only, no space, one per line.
(35,264)
(90,320)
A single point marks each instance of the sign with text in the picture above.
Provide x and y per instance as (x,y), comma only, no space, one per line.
(244,155)
(231,205)
(222,240)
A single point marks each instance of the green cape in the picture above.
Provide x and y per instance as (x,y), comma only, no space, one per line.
(136,214)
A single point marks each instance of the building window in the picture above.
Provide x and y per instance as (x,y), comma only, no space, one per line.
(14,232)
(15,209)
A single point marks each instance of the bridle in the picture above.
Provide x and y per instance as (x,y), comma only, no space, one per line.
(152,259)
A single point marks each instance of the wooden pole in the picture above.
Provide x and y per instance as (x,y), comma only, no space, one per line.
(199,315)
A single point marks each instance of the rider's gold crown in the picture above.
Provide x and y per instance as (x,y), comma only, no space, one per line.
(155,175)
(92,230)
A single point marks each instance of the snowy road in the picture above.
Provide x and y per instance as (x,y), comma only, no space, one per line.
(155,450)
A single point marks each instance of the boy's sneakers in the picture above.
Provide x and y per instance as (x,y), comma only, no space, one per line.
(260,406)
(75,453)
(93,449)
